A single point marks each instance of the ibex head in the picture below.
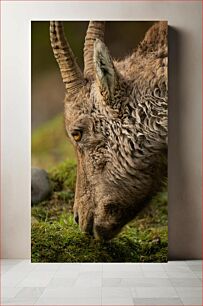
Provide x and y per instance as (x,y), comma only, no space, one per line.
(118,158)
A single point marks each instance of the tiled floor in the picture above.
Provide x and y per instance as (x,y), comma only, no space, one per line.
(174,283)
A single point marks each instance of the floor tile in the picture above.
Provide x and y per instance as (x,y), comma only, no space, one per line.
(122,268)
(192,301)
(147,282)
(89,279)
(72,292)
(21,301)
(177,268)
(4,301)
(116,292)
(181,274)
(176,263)
(39,267)
(69,301)
(117,301)
(66,273)
(159,274)
(15,275)
(37,279)
(154,292)
(193,262)
(172,283)
(198,274)
(112,282)
(189,291)
(9,292)
(157,301)
(32,292)
(90,274)
(6,268)
(12,281)
(22,263)
(11,261)
(152,267)
(70,267)
(61,282)
(185,282)
(196,268)
(88,282)
(91,267)
(123,274)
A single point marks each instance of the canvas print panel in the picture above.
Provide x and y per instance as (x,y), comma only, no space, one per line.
(99,141)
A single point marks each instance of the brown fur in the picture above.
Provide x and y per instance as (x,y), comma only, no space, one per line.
(122,116)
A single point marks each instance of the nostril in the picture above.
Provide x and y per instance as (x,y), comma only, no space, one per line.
(76,217)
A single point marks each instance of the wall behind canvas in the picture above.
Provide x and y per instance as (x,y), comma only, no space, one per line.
(185,65)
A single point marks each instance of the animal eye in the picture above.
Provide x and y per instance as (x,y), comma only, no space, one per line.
(77,135)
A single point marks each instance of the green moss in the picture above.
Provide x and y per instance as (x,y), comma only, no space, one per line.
(50,145)
(62,179)
(56,238)
(64,176)
(62,241)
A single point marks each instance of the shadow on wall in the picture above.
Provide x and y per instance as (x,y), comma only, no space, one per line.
(179,189)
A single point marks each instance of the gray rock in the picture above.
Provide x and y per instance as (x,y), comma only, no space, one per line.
(40,185)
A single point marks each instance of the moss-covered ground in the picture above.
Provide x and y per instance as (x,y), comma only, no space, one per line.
(55,236)
(50,145)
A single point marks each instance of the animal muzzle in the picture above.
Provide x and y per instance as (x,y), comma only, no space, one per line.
(85,223)
(98,230)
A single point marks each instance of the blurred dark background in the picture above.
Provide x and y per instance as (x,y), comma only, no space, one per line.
(121,37)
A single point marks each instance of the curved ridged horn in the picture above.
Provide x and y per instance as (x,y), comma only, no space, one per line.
(70,71)
(95,30)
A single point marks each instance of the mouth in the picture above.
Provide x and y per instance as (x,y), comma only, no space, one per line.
(105,233)
(96,227)
(98,232)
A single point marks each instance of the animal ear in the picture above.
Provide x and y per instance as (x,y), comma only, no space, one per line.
(106,76)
